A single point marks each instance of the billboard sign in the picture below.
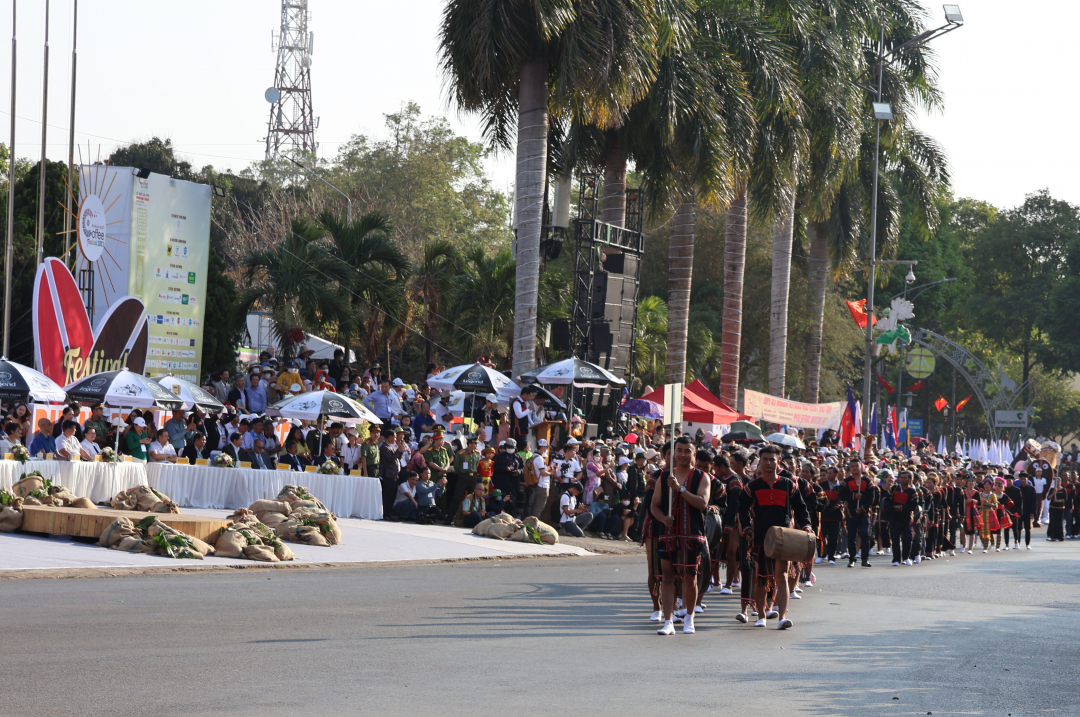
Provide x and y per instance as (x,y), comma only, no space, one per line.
(1010,419)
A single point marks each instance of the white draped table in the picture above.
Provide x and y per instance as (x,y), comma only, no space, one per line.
(231,488)
(99,482)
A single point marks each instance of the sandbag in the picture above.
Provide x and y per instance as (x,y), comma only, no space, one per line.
(789,544)
(65,496)
(202,546)
(271,506)
(272,520)
(284,552)
(28,485)
(132,544)
(123,501)
(165,506)
(296,532)
(548,535)
(118,530)
(10,519)
(305,505)
(325,520)
(481,528)
(83,503)
(502,530)
(31,500)
(242,517)
(260,552)
(230,544)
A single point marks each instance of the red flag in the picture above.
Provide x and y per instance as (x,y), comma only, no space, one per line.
(960,406)
(858,312)
(941,403)
(916,386)
(847,428)
(888,386)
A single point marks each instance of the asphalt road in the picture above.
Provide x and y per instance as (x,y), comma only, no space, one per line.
(976,635)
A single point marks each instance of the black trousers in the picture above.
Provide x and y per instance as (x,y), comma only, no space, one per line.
(389,492)
(901,539)
(1024,523)
(831,531)
(859,524)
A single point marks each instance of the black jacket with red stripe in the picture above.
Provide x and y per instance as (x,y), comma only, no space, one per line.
(900,503)
(868,499)
(763,506)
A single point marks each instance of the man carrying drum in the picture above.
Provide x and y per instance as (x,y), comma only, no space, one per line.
(770,500)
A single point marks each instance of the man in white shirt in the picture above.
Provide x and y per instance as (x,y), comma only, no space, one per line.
(569,468)
(67,445)
(543,473)
(160,450)
(89,446)
(441,411)
(573,517)
(1043,506)
(384,403)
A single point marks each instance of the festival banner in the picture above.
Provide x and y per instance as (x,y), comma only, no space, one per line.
(804,415)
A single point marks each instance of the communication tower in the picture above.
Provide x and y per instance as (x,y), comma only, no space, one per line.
(292,122)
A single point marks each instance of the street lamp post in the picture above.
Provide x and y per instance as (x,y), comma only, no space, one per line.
(883,112)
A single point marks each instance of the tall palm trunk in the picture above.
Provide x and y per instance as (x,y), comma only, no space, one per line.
(680,274)
(734,265)
(529,202)
(783,233)
(614,209)
(819,275)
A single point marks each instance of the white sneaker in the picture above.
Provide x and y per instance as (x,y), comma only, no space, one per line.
(896,564)
(741,617)
(908,562)
(760,623)
(688,626)
(796,596)
(733,585)
(1029,547)
(832,562)
(961,549)
(808,583)
(998,550)
(984,551)
(678,603)
(710,588)
(680,613)
(784,624)
(725,591)
(953,552)
(656,617)
(771,613)
(667,629)
(698,609)
(918,559)
(798,589)
(817,561)
(873,551)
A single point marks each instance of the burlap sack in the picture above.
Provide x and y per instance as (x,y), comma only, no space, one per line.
(243,516)
(82,503)
(502,530)
(30,500)
(27,485)
(548,535)
(481,528)
(270,506)
(325,519)
(284,552)
(10,519)
(146,497)
(118,530)
(260,552)
(305,505)
(123,501)
(230,544)
(65,496)
(48,500)
(132,544)
(296,532)
(203,547)
(165,506)
(272,520)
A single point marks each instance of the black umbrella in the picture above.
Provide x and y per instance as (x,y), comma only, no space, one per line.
(22,383)
(123,389)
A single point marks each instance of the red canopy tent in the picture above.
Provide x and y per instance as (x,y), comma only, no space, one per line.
(700,406)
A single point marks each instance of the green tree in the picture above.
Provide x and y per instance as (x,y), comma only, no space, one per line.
(432,284)
(222,327)
(511,61)
(155,154)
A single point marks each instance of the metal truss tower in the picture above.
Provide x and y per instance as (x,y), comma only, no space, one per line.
(292,122)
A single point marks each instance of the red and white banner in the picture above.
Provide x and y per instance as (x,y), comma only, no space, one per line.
(792,413)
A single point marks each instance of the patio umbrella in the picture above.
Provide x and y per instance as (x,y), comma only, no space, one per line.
(785,439)
(22,383)
(741,437)
(572,371)
(642,409)
(123,389)
(749,428)
(309,406)
(471,378)
(190,394)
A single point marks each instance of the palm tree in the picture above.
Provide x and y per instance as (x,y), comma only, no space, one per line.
(838,228)
(297,280)
(376,270)
(512,60)
(483,306)
(432,281)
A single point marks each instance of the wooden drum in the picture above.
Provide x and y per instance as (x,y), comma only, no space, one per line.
(790,544)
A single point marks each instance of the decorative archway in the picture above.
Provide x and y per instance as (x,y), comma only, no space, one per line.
(992,387)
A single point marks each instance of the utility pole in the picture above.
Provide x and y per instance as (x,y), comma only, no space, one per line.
(8,264)
(71,140)
(292,121)
(44,133)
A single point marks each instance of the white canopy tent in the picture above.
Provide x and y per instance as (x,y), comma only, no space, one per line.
(261,333)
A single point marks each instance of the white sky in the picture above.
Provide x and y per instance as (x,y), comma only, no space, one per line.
(195,71)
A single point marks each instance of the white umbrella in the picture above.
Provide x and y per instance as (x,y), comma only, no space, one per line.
(471,378)
(22,383)
(581,374)
(785,439)
(190,394)
(123,389)
(309,406)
